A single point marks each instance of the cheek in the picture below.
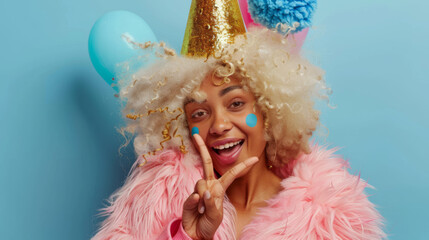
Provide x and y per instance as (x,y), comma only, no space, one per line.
(254,127)
(195,130)
(198,128)
(251,120)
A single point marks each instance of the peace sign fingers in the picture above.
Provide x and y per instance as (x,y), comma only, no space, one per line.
(233,173)
(203,210)
(205,156)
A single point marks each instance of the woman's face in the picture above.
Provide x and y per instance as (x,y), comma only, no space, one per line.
(229,122)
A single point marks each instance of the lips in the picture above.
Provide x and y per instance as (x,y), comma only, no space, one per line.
(226,151)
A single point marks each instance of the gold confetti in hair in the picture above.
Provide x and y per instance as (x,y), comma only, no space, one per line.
(224,71)
(166,51)
(166,132)
(284,84)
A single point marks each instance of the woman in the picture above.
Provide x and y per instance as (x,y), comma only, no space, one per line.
(249,113)
(223,134)
(236,146)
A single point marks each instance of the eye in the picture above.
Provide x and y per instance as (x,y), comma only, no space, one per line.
(200,113)
(236,104)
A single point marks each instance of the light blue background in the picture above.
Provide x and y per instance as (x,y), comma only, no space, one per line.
(59,156)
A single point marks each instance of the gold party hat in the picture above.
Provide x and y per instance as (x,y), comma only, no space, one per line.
(212,24)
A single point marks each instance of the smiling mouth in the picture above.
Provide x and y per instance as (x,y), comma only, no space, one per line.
(227,148)
(228,153)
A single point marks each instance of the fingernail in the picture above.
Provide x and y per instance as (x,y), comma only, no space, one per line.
(195,137)
(253,160)
(207,195)
(202,209)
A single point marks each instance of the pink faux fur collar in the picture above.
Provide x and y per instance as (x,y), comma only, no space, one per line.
(320,200)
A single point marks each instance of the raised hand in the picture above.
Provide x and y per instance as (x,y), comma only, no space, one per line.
(203,210)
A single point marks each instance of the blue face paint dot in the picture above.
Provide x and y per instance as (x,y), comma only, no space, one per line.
(195,130)
(251,120)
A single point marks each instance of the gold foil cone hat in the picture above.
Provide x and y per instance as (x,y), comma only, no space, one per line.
(212,24)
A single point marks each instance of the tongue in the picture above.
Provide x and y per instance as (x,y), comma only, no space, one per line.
(228,151)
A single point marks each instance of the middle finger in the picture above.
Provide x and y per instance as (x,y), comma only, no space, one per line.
(234,172)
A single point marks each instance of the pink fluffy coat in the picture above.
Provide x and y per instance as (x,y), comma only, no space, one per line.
(320,200)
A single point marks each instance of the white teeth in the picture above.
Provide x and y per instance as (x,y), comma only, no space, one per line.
(227,145)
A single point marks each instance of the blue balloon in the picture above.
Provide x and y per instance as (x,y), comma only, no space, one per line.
(109,46)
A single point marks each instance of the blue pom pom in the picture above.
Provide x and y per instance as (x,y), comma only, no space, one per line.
(271,12)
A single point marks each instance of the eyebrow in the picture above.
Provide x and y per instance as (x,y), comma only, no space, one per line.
(191,100)
(229,89)
(221,93)
(188,100)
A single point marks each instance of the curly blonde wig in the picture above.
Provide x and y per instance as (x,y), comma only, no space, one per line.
(284,84)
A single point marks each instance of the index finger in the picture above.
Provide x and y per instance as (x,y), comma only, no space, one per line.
(205,156)
(233,173)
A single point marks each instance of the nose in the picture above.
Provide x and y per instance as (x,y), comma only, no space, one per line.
(220,124)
